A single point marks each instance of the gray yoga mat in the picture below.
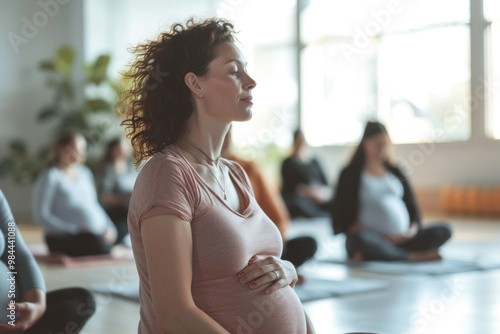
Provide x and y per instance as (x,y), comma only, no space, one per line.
(457,257)
(449,265)
(320,288)
(312,289)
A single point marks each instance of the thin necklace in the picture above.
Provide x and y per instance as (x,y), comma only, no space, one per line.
(216,161)
(223,179)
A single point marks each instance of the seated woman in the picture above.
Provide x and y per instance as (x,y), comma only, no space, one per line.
(116,179)
(65,203)
(25,308)
(375,207)
(208,257)
(304,188)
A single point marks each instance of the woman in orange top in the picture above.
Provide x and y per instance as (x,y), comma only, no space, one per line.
(297,250)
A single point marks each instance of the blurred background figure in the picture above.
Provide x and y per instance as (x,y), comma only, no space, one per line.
(375,207)
(297,250)
(36,311)
(65,203)
(305,189)
(116,178)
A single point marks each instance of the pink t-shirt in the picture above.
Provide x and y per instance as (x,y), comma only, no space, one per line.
(223,242)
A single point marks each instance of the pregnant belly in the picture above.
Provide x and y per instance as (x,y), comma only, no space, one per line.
(387,215)
(88,220)
(241,310)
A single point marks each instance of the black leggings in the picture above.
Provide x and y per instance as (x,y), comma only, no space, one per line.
(118,215)
(299,206)
(67,312)
(374,247)
(299,250)
(82,244)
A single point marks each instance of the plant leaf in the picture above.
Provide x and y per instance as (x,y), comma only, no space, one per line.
(97,72)
(67,87)
(63,60)
(47,65)
(47,113)
(18,147)
(98,105)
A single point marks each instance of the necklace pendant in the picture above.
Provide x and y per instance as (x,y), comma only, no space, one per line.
(225,196)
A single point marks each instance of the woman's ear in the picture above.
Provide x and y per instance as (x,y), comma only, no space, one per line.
(193,82)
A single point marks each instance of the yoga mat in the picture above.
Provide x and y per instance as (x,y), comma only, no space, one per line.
(127,290)
(312,289)
(446,266)
(320,288)
(42,255)
(457,257)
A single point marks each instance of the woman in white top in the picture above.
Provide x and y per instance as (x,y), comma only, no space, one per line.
(65,203)
(375,207)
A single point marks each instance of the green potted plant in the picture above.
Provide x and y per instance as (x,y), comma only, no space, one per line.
(87,106)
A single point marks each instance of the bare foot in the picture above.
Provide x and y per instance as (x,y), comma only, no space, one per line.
(430,255)
(300,279)
(357,257)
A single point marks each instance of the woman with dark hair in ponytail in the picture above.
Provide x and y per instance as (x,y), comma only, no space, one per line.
(375,207)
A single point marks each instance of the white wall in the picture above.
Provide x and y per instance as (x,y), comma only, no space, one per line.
(23,91)
(442,164)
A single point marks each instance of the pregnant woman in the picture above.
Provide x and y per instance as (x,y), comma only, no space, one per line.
(208,257)
(375,207)
(65,202)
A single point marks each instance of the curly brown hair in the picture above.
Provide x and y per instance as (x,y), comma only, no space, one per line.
(158,103)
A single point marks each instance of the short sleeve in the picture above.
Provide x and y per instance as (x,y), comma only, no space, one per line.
(168,189)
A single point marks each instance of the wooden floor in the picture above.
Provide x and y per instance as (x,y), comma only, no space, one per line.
(466,303)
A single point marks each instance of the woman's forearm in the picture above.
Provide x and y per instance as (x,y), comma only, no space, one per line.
(193,321)
(35,295)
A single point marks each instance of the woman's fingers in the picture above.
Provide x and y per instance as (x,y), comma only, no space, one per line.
(269,270)
(276,286)
(254,272)
(269,277)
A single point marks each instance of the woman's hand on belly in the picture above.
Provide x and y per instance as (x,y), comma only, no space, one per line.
(271,270)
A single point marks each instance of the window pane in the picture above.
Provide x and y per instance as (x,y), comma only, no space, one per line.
(492,10)
(271,62)
(371,58)
(494,91)
(370,17)
(425,85)
(338,96)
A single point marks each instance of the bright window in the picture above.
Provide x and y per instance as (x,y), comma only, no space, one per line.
(268,37)
(386,60)
(424,84)
(492,15)
(494,84)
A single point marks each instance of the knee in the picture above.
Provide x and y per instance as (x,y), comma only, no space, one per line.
(82,298)
(444,232)
(311,245)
